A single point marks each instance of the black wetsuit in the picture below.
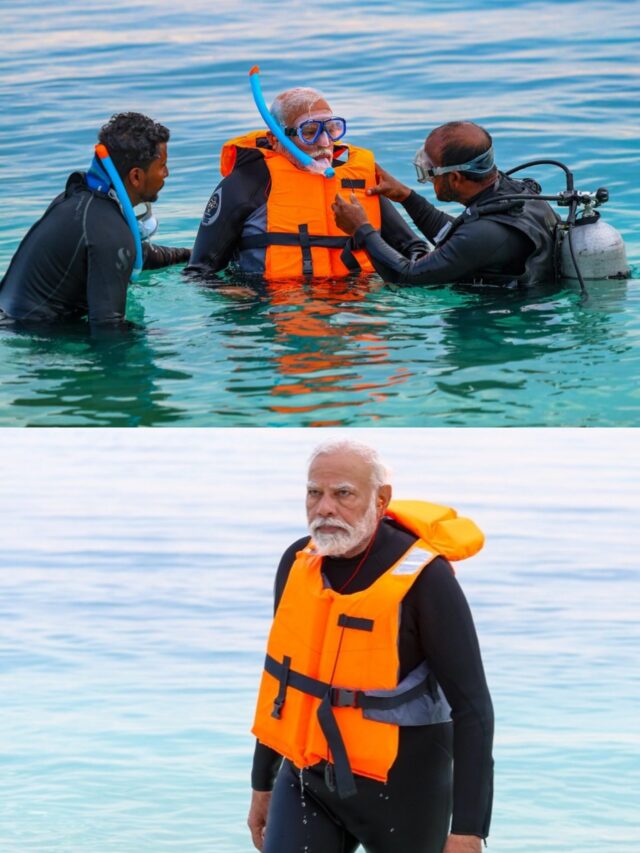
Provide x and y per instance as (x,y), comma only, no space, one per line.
(493,241)
(77,260)
(412,811)
(242,196)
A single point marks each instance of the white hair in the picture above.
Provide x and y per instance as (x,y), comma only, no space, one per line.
(380,473)
(288,105)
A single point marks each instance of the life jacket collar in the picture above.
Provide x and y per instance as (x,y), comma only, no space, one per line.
(440,527)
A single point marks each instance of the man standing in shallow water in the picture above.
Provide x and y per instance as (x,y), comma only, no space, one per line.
(373,690)
(78,257)
(497,239)
(270,217)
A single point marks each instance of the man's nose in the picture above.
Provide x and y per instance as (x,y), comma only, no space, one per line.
(326,506)
(323,139)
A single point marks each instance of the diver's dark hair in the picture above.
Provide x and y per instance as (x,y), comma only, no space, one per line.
(132,140)
(453,150)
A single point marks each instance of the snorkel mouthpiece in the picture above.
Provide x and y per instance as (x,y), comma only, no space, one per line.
(116,181)
(274,127)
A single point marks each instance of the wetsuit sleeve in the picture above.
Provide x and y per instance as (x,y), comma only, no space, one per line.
(395,231)
(425,215)
(266,761)
(450,645)
(475,249)
(233,200)
(154,257)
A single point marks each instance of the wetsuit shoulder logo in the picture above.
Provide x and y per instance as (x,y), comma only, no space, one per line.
(212,210)
(124,259)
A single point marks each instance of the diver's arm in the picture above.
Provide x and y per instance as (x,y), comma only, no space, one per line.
(232,201)
(218,233)
(396,232)
(426,217)
(450,644)
(475,247)
(154,257)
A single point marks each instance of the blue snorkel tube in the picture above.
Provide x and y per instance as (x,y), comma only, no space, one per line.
(274,127)
(104,160)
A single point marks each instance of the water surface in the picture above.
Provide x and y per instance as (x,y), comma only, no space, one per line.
(135,596)
(548,79)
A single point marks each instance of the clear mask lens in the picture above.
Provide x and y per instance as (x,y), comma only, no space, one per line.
(422,164)
(147,223)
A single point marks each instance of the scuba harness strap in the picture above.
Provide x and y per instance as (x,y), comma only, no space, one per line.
(475,212)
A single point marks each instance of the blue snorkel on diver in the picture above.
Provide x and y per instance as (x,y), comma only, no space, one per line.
(274,127)
(103,176)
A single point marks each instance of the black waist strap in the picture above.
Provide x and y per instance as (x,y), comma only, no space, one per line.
(340,697)
(306,242)
(261,241)
(335,697)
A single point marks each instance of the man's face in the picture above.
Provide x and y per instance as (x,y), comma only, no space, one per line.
(322,149)
(153,177)
(342,504)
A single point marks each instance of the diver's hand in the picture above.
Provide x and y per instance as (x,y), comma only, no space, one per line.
(349,217)
(257,819)
(463,844)
(389,186)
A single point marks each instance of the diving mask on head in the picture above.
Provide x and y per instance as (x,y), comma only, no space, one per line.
(426,171)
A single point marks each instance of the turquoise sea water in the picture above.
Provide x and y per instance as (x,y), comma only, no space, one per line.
(551,79)
(135,595)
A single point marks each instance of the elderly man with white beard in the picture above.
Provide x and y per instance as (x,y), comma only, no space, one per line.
(270,216)
(374,722)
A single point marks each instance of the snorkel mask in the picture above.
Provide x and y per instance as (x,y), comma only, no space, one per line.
(426,171)
(301,156)
(147,222)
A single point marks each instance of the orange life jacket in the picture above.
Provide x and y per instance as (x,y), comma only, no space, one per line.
(301,237)
(330,686)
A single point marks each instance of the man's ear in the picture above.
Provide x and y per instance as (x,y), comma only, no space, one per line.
(383,499)
(136,177)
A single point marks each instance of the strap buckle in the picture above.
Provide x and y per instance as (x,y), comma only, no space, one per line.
(341,697)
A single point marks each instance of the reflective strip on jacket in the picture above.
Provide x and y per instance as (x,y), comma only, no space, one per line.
(298,230)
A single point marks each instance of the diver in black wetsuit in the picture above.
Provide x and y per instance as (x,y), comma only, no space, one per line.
(442,769)
(78,258)
(494,241)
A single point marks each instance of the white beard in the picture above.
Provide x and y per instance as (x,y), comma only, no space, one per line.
(348,538)
(325,156)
